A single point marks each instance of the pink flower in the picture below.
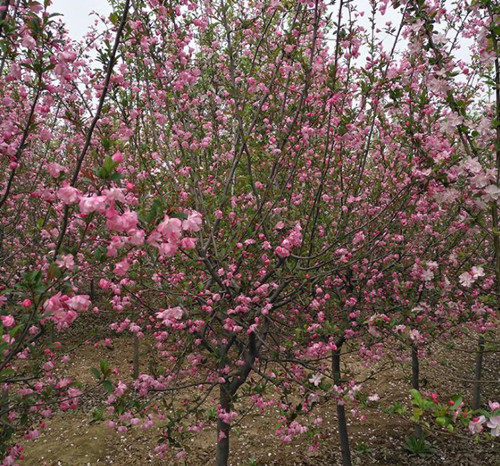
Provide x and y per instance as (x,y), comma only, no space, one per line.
(120,388)
(427,275)
(492,192)
(7,321)
(358,237)
(280,251)
(175,312)
(415,335)
(476,425)
(170,228)
(188,243)
(227,417)
(477,272)
(89,204)
(55,169)
(122,223)
(33,434)
(55,302)
(193,222)
(66,261)
(26,303)
(68,194)
(121,268)
(114,194)
(494,405)
(316,379)
(494,425)
(167,249)
(171,315)
(117,157)
(79,302)
(466,279)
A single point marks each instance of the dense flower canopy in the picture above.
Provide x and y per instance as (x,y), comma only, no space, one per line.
(252,185)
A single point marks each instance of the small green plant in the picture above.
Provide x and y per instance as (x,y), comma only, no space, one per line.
(211,414)
(362,447)
(252,462)
(418,446)
(396,408)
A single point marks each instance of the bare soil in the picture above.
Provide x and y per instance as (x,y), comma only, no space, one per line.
(71,439)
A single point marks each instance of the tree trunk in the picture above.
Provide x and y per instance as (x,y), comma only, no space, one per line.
(415,381)
(92,290)
(342,421)
(223,429)
(478,370)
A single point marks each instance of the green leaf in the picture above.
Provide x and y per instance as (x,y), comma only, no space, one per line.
(107,169)
(179,215)
(104,365)
(108,386)
(442,421)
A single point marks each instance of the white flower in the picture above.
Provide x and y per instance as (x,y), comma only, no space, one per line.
(477,272)
(492,192)
(428,275)
(494,425)
(476,425)
(316,379)
(415,335)
(466,279)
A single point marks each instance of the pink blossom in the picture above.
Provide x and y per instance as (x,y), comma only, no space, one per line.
(188,243)
(494,405)
(68,194)
(170,228)
(282,252)
(121,268)
(171,314)
(494,425)
(7,321)
(477,272)
(66,261)
(476,425)
(193,222)
(79,302)
(117,157)
(466,279)
(316,379)
(55,169)
(122,223)
(89,204)
(167,249)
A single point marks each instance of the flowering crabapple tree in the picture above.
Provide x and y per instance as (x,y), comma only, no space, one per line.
(256,185)
(315,178)
(67,203)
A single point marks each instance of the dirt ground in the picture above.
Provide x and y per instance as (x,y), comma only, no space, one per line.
(71,439)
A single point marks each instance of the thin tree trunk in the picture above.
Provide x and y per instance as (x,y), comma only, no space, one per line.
(415,381)
(223,429)
(92,290)
(478,370)
(342,421)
